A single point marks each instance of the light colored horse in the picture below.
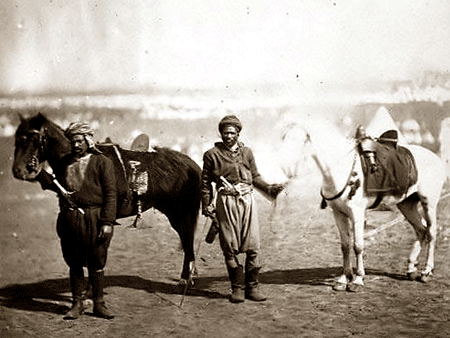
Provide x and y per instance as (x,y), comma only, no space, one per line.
(338,160)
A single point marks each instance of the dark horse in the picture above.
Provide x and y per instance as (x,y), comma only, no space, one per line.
(172,178)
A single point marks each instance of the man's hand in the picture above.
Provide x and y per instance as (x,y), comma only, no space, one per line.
(209,211)
(68,196)
(275,189)
(105,231)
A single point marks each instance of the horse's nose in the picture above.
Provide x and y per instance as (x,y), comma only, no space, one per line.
(17,173)
(31,167)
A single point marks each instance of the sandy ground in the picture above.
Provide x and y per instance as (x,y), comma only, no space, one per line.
(300,255)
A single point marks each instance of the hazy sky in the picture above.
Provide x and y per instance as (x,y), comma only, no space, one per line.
(90,45)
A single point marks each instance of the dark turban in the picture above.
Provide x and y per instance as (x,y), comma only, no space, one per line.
(230,120)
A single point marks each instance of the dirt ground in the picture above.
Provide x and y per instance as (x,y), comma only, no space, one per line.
(300,254)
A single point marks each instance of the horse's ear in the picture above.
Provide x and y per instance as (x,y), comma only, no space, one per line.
(40,118)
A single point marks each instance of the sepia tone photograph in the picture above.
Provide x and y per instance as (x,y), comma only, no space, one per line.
(224,168)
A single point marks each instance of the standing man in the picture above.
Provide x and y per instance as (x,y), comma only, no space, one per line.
(231,166)
(87,214)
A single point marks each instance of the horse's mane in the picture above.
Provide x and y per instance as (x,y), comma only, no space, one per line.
(37,122)
(326,137)
(161,157)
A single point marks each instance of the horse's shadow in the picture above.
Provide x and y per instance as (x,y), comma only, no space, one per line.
(316,276)
(49,295)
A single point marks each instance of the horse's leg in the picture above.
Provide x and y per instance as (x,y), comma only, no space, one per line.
(343,225)
(429,214)
(359,218)
(409,209)
(185,227)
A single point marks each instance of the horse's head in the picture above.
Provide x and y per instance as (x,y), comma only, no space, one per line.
(33,139)
(293,152)
(30,142)
(315,138)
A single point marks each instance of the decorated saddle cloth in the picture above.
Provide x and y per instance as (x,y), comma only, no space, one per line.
(132,177)
(396,170)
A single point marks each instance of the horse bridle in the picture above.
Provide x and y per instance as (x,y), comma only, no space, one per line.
(40,151)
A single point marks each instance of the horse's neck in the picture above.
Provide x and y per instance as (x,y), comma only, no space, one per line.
(335,165)
(57,145)
(324,169)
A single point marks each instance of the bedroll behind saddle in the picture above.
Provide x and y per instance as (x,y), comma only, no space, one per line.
(395,168)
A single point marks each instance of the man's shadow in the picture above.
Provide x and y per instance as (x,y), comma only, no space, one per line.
(53,295)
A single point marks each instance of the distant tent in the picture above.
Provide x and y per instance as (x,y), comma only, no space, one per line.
(381,122)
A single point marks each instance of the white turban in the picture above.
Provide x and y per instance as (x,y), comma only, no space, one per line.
(81,128)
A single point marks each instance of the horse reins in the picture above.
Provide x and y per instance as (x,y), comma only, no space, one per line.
(323,204)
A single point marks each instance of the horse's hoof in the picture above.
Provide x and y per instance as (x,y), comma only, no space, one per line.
(414,275)
(355,287)
(339,286)
(182,285)
(425,277)
(183,282)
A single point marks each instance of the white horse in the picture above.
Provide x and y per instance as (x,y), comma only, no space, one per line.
(343,191)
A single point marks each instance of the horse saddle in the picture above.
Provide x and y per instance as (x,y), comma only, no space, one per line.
(395,170)
(134,180)
(141,143)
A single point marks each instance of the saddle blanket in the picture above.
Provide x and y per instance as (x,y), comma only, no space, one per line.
(396,171)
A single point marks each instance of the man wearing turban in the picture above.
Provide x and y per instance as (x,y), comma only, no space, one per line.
(85,225)
(84,129)
(231,166)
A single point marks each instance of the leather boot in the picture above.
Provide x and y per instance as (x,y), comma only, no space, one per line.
(237,284)
(251,285)
(97,280)
(87,293)
(77,286)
